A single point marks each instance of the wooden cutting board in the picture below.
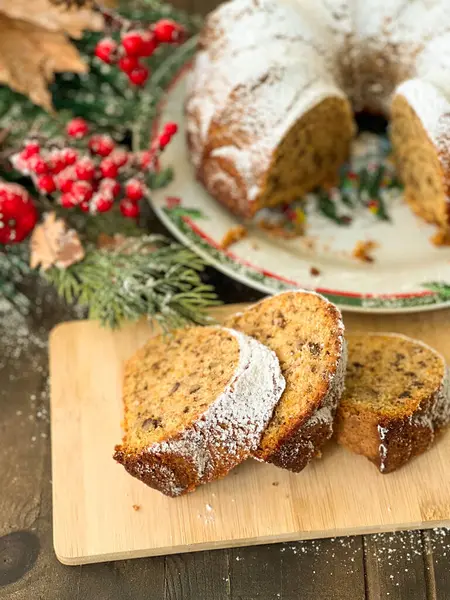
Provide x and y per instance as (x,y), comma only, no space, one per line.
(101,513)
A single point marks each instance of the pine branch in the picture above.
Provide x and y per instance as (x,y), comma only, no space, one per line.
(13,270)
(147,276)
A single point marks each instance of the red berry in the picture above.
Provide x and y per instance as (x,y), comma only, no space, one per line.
(134,190)
(148,159)
(109,168)
(119,157)
(46,184)
(85,207)
(82,191)
(57,162)
(37,165)
(171,128)
(129,209)
(149,44)
(102,145)
(110,186)
(163,140)
(139,76)
(128,63)
(167,31)
(105,50)
(69,156)
(145,159)
(77,128)
(132,43)
(102,202)
(85,169)
(67,200)
(20,163)
(65,179)
(18,215)
(30,149)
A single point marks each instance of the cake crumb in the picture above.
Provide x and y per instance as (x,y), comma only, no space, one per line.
(363,250)
(314,271)
(136,507)
(232,236)
(254,245)
(277,230)
(440,238)
(309,243)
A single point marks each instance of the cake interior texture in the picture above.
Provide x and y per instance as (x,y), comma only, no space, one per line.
(391,388)
(310,154)
(303,334)
(255,144)
(419,167)
(162,397)
(389,375)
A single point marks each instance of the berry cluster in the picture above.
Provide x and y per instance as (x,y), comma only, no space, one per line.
(95,173)
(136,44)
(18,215)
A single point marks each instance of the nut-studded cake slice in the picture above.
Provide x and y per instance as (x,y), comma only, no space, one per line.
(196,405)
(396,398)
(307,334)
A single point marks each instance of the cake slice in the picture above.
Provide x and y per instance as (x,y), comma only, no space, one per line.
(396,398)
(196,405)
(307,334)
(419,132)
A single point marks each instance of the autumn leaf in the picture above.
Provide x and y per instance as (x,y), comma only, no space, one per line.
(52,244)
(34,44)
(53,17)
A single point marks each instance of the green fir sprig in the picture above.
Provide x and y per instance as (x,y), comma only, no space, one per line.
(148,276)
(13,270)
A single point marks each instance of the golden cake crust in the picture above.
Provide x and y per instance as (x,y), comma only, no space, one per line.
(274,87)
(196,405)
(306,333)
(396,399)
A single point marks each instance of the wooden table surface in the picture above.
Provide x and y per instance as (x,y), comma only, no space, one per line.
(401,566)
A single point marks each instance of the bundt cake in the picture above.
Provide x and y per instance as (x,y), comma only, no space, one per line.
(397,397)
(275,84)
(196,404)
(307,334)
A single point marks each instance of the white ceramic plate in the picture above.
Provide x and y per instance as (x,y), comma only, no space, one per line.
(408,273)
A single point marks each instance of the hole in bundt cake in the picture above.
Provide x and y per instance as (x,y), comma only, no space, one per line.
(276,128)
(373,123)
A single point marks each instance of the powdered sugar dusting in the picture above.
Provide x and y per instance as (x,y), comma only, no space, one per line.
(232,426)
(432,417)
(294,453)
(263,64)
(432,108)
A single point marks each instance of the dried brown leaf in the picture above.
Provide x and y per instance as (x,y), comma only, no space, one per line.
(52,244)
(30,55)
(53,16)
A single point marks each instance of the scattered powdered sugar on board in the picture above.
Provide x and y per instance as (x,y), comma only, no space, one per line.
(208,516)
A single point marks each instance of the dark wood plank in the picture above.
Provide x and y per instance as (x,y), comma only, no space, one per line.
(200,575)
(395,566)
(308,570)
(437,557)
(28,565)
